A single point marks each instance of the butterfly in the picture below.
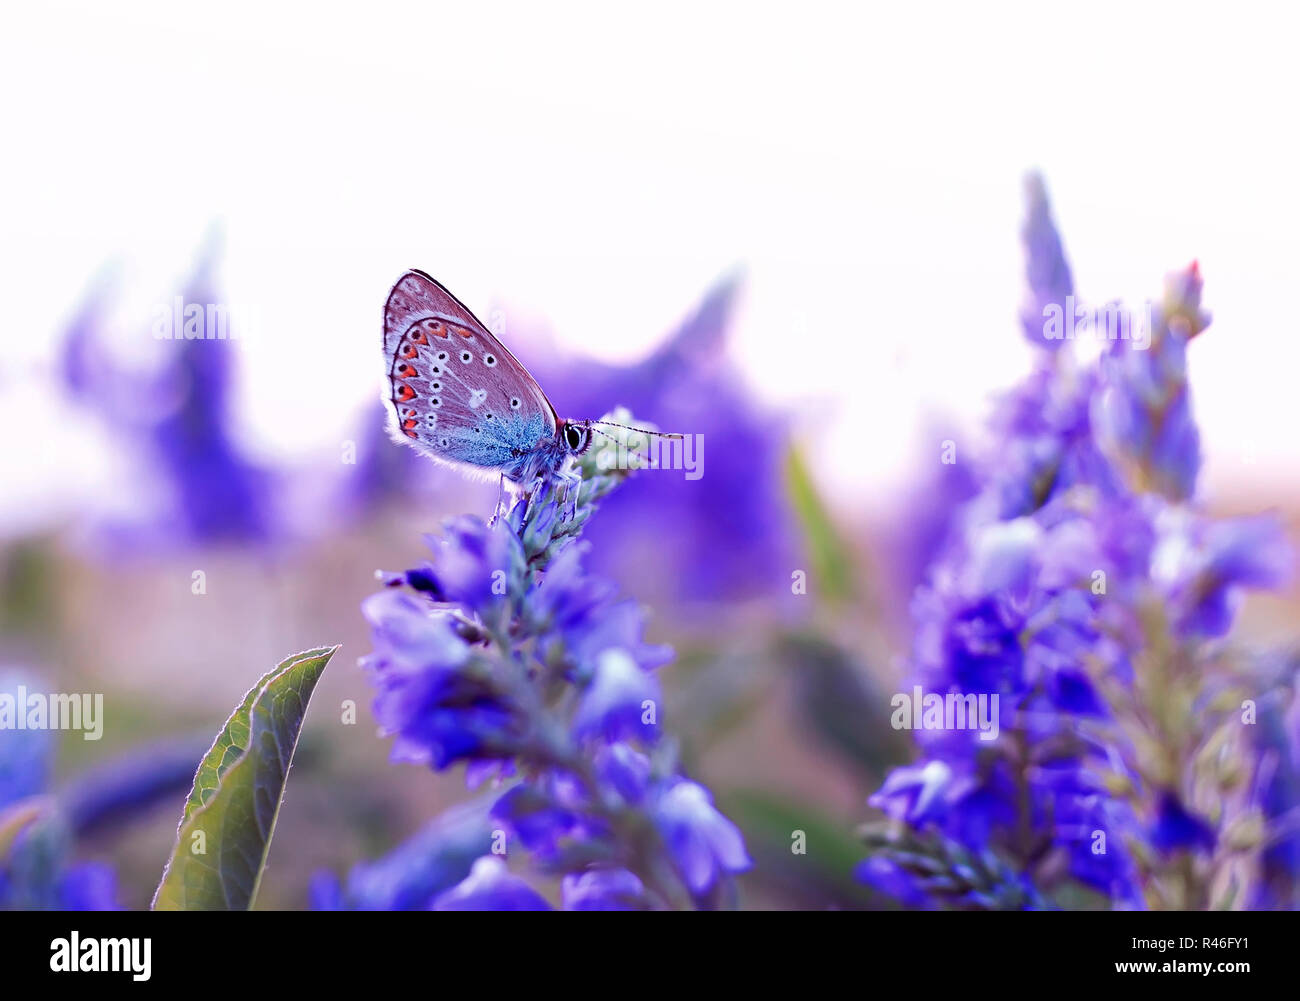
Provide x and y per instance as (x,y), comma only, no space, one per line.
(458,396)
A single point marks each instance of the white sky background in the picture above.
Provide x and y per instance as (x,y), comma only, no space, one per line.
(599,168)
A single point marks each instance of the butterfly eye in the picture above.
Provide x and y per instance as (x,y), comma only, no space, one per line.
(514,403)
(466,357)
(489,360)
(574,437)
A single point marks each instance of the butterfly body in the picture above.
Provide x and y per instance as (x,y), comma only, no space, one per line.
(457,395)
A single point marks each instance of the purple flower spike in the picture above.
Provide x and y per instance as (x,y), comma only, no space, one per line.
(1049,283)
(506,654)
(1084,589)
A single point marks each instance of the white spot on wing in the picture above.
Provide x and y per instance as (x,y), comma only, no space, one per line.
(476,397)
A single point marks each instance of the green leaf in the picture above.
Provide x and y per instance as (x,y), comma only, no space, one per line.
(842,704)
(821,877)
(833,572)
(232,809)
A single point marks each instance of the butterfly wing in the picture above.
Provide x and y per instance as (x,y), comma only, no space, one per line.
(454,391)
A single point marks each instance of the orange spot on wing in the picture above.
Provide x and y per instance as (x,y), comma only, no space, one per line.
(406,371)
(463,332)
(405,393)
(418,337)
(408,424)
(437,329)
(409,351)
(410,434)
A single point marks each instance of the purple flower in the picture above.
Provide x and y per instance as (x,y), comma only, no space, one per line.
(1203,566)
(918,793)
(440,702)
(888,877)
(576,613)
(618,698)
(490,886)
(473,562)
(1045,442)
(1276,787)
(624,772)
(1177,829)
(704,844)
(603,890)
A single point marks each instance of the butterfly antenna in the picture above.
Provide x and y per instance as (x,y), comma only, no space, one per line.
(606,435)
(628,427)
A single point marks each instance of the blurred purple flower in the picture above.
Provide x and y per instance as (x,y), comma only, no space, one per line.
(1143,412)
(922,525)
(36,873)
(1047,272)
(410,878)
(25,756)
(1276,785)
(1203,566)
(490,886)
(381,472)
(687,385)
(603,890)
(89,886)
(178,415)
(1177,829)
(916,793)
(1077,566)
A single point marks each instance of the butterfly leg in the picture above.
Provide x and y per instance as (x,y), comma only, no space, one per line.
(572,481)
(500,510)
